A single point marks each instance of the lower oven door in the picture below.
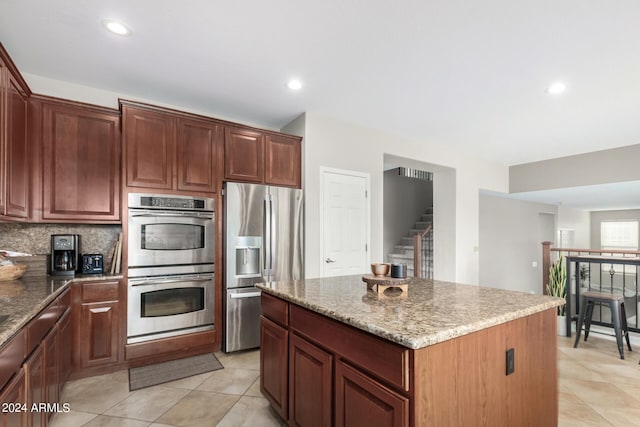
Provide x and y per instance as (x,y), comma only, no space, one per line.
(168,306)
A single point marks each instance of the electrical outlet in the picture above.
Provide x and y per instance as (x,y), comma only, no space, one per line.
(534,264)
(511,362)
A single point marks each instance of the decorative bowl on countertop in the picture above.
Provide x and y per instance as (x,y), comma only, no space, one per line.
(380,270)
(12,271)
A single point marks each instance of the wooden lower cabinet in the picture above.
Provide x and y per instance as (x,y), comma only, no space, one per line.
(362,401)
(36,386)
(359,379)
(14,394)
(51,369)
(274,342)
(310,384)
(65,343)
(99,333)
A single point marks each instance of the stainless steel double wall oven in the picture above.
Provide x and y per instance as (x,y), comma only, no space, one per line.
(170,271)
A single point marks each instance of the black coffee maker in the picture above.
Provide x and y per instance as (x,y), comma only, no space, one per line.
(65,250)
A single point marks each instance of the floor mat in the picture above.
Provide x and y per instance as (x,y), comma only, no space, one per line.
(158,373)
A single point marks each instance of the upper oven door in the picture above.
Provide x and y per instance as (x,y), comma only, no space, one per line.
(161,238)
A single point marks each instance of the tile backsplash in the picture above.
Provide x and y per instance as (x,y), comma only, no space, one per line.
(36,238)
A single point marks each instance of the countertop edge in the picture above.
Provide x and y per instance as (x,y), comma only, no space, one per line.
(15,322)
(416,343)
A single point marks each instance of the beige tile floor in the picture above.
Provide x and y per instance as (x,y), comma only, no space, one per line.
(596,387)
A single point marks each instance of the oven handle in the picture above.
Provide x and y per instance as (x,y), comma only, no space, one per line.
(146,214)
(245,295)
(164,282)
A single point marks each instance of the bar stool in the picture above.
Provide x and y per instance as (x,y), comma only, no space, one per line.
(618,316)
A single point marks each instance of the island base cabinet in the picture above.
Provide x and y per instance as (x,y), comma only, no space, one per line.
(310,384)
(274,346)
(14,394)
(363,402)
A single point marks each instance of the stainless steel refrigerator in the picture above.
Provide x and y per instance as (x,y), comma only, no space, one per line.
(263,242)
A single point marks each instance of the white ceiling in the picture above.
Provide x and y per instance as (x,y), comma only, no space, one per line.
(463,73)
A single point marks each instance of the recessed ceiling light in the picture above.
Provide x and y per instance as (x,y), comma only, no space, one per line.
(116,27)
(294,84)
(556,88)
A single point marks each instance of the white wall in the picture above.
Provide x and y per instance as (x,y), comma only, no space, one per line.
(60,89)
(577,220)
(334,143)
(510,241)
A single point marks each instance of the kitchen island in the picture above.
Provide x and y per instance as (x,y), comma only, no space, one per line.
(439,354)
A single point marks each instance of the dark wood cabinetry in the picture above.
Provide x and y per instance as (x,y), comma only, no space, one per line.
(65,342)
(282,161)
(243,155)
(51,368)
(80,162)
(363,401)
(262,158)
(274,364)
(310,384)
(36,385)
(197,155)
(14,393)
(169,150)
(14,143)
(97,310)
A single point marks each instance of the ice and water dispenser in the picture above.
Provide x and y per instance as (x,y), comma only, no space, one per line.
(248,255)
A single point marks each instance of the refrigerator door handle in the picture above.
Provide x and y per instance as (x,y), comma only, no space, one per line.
(266,224)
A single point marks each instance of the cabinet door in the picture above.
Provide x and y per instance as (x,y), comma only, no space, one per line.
(4,72)
(282,166)
(197,154)
(17,154)
(362,401)
(81,164)
(149,138)
(65,341)
(243,155)
(51,367)
(99,334)
(310,385)
(36,392)
(14,393)
(274,345)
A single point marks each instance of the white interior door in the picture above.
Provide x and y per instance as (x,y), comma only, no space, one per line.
(344,223)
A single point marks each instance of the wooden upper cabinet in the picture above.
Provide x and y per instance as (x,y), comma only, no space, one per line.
(243,155)
(17,151)
(81,163)
(149,138)
(15,158)
(282,160)
(197,155)
(170,150)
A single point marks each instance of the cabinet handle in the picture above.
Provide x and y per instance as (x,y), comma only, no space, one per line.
(99,310)
(329,260)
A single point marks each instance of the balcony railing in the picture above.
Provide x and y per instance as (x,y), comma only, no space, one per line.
(612,271)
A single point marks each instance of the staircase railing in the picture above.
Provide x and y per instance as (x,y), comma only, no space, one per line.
(422,251)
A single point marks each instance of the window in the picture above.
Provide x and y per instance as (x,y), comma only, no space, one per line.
(619,235)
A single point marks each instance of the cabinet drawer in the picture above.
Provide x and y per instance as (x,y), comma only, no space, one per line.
(40,325)
(11,357)
(275,309)
(380,358)
(97,292)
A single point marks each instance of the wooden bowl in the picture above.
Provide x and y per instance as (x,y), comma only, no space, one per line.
(380,270)
(12,272)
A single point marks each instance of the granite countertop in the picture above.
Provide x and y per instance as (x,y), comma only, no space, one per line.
(432,312)
(21,300)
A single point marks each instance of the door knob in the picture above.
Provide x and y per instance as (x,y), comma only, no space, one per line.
(329,260)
